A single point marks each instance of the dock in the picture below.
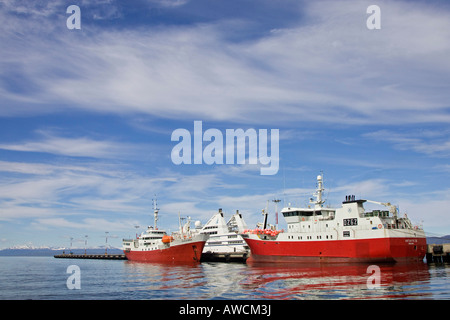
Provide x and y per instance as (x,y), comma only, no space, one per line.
(91,256)
(225,256)
(438,253)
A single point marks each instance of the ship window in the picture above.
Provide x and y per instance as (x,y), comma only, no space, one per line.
(302,213)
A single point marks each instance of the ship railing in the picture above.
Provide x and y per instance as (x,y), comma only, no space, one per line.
(263,232)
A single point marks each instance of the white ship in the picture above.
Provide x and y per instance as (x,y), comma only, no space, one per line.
(224,237)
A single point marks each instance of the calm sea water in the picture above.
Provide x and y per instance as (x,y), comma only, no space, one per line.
(46,278)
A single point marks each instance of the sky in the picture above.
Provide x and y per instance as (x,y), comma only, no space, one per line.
(87,115)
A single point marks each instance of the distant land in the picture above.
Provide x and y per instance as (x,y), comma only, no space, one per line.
(43,252)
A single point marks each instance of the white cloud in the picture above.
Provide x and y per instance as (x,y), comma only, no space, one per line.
(87,224)
(329,68)
(326,69)
(429,209)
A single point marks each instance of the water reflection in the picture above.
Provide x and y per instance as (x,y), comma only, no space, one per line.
(336,281)
(159,280)
(276,281)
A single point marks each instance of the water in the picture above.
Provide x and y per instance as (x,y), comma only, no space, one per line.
(44,278)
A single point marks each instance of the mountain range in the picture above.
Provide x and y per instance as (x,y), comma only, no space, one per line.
(27,250)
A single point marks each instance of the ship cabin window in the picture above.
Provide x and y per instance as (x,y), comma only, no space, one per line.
(308,213)
(151,238)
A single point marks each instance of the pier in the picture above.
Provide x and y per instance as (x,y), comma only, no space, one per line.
(91,256)
(438,253)
(206,256)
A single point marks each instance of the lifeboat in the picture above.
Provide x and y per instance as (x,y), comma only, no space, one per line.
(167,239)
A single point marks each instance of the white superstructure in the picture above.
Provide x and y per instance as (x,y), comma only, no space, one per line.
(224,237)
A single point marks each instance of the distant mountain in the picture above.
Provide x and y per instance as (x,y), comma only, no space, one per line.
(48,251)
(438,240)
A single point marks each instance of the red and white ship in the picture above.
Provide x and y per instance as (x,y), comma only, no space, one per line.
(344,234)
(155,245)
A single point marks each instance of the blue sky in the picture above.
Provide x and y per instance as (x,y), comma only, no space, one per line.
(86,116)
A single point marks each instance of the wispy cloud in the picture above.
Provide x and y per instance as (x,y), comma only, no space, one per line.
(73,146)
(289,74)
(430,142)
(45,191)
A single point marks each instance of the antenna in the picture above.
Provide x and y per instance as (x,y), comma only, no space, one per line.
(284,187)
(276,212)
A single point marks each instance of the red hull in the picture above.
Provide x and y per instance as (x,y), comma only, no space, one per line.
(185,253)
(363,250)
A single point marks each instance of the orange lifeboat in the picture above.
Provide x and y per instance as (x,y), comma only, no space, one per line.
(167,239)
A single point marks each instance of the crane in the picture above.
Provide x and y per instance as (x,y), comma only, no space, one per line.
(392,208)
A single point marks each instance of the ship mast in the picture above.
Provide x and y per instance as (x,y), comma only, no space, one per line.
(155,210)
(319,202)
(265,213)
